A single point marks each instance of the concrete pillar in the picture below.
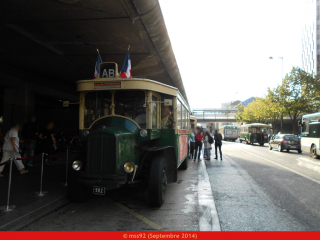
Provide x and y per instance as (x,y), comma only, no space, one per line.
(19,106)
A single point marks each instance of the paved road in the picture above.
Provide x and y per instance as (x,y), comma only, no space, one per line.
(253,188)
(258,189)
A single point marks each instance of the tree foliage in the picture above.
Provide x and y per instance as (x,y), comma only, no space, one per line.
(298,94)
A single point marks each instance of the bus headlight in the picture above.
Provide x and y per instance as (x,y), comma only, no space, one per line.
(128,167)
(86,133)
(143,133)
(77,165)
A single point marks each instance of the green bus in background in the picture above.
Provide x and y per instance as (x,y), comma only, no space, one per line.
(136,132)
(254,133)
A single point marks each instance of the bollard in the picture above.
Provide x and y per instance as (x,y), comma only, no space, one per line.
(41,193)
(66,183)
(8,208)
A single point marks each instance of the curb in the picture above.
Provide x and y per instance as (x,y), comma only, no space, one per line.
(31,213)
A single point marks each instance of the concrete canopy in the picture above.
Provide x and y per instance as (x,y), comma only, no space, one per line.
(53,43)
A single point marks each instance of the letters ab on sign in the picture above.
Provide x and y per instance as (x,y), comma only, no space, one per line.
(108,70)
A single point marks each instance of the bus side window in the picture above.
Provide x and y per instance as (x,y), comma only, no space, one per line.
(179,118)
(167,117)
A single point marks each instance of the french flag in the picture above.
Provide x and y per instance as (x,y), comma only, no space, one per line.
(96,70)
(126,67)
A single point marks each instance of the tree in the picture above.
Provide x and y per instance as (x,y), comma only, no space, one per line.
(298,94)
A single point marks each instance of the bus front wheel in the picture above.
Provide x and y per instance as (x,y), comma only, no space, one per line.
(157,181)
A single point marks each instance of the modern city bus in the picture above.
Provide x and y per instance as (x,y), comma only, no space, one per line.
(254,133)
(136,132)
(229,132)
(310,134)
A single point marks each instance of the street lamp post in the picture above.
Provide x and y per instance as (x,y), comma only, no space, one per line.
(282,81)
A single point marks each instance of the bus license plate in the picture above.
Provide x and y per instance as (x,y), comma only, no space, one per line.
(99,190)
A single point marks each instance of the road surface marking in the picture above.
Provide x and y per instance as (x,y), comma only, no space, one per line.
(301,174)
(308,160)
(208,216)
(142,218)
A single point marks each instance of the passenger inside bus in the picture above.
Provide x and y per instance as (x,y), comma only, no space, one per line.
(166,117)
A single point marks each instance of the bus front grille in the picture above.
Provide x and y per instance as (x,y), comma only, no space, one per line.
(101,154)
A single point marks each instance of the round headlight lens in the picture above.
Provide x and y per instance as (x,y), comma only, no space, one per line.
(128,167)
(77,165)
(86,133)
(143,133)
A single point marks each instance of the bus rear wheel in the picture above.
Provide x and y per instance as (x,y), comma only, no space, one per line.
(157,181)
(184,165)
(314,152)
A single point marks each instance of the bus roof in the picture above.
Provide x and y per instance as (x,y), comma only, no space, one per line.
(125,84)
(311,115)
(256,125)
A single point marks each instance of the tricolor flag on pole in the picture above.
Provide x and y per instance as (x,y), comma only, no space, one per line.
(96,70)
(126,67)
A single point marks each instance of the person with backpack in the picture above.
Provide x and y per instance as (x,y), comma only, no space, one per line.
(199,137)
(208,140)
(217,144)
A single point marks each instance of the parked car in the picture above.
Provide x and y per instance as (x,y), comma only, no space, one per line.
(285,141)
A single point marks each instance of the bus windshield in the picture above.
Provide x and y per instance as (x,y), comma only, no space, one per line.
(97,104)
(131,104)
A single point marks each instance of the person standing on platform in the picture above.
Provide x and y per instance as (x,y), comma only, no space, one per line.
(192,143)
(198,138)
(1,143)
(208,140)
(11,148)
(48,140)
(29,134)
(217,143)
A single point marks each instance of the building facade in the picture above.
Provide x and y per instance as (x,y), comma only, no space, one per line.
(311,37)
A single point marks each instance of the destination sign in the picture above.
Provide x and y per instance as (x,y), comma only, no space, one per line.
(108,70)
(107,85)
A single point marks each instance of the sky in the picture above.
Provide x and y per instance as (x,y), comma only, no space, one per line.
(223,47)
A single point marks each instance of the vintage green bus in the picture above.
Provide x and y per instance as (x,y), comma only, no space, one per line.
(254,133)
(229,132)
(136,132)
(193,122)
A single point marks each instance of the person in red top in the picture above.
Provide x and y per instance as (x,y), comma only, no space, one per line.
(199,137)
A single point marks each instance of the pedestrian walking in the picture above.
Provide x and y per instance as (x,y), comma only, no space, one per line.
(11,148)
(29,134)
(48,140)
(208,140)
(192,143)
(198,145)
(217,144)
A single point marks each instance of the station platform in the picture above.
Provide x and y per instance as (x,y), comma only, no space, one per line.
(30,207)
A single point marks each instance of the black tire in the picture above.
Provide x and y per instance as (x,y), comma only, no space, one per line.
(270,148)
(313,152)
(184,165)
(261,144)
(240,141)
(299,151)
(157,181)
(288,150)
(280,148)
